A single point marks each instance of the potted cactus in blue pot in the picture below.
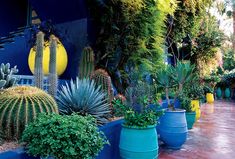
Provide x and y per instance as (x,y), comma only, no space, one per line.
(138,138)
(173,126)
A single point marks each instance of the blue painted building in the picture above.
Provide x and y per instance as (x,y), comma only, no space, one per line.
(20,19)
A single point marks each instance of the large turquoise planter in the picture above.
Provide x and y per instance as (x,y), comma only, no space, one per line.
(138,143)
(190,118)
(173,128)
(227,93)
(219,93)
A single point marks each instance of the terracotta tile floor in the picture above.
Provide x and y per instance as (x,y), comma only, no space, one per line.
(213,136)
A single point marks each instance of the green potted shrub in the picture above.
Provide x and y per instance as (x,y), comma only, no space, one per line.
(138,137)
(185,104)
(173,127)
(209,93)
(195,92)
(63,137)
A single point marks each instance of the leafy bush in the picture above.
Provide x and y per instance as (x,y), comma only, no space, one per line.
(139,109)
(185,103)
(64,137)
(83,97)
(208,89)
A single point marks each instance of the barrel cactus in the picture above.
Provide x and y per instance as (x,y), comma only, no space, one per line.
(20,105)
(6,76)
(102,78)
(87,63)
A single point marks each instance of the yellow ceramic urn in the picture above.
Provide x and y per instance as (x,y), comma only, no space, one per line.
(196,107)
(210,98)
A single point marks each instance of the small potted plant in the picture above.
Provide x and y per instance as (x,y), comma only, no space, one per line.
(185,103)
(138,137)
(209,93)
(195,92)
(63,137)
(210,83)
(173,127)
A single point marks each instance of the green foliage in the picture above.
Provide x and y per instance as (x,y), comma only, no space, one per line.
(52,79)
(87,63)
(102,79)
(1,137)
(83,97)
(176,76)
(229,60)
(64,137)
(6,76)
(139,109)
(208,89)
(212,80)
(133,29)
(38,70)
(21,105)
(228,78)
(185,103)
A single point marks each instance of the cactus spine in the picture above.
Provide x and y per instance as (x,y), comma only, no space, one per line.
(102,78)
(87,63)
(38,70)
(52,67)
(20,105)
(6,73)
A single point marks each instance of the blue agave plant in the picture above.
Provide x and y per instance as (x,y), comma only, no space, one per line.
(83,97)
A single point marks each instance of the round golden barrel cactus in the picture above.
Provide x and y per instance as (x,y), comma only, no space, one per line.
(20,105)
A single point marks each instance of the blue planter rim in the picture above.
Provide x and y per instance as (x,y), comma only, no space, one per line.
(175,111)
(139,128)
(191,112)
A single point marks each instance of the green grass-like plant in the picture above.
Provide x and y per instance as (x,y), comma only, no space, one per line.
(64,137)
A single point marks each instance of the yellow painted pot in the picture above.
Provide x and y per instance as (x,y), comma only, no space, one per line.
(196,107)
(210,98)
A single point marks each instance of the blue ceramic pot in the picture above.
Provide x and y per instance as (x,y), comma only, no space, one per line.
(173,128)
(218,93)
(190,118)
(227,93)
(138,143)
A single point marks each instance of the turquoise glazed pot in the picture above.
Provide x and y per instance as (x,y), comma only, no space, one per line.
(173,128)
(227,93)
(218,93)
(190,118)
(138,143)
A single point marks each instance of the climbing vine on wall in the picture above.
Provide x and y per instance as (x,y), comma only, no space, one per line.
(130,31)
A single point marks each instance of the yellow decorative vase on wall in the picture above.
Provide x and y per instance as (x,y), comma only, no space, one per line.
(196,107)
(61,59)
(210,98)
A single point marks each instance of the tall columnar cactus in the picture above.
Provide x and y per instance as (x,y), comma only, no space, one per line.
(38,67)
(20,105)
(6,76)
(52,67)
(102,78)
(87,63)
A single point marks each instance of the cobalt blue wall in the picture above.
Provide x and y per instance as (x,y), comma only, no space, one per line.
(13,14)
(60,11)
(16,53)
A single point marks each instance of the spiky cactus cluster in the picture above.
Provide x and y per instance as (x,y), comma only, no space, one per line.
(52,67)
(6,76)
(102,78)
(20,105)
(38,67)
(87,63)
